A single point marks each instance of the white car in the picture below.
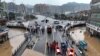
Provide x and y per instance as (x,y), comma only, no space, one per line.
(11,23)
(15,23)
(56,22)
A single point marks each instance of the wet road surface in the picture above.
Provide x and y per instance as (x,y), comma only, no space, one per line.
(40,45)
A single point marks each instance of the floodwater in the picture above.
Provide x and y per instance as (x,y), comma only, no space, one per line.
(93,42)
(77,35)
(6,49)
(16,39)
(93,45)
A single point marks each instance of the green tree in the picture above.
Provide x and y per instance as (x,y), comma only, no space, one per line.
(63,16)
(56,16)
(11,16)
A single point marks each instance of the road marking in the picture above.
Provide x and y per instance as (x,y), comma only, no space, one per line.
(35,43)
(45,45)
(60,36)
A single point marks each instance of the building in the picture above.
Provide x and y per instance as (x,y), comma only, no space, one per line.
(93,23)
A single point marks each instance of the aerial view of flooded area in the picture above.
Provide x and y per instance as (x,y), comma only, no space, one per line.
(49,27)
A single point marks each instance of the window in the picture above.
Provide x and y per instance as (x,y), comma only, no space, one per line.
(95,23)
(96,5)
(95,16)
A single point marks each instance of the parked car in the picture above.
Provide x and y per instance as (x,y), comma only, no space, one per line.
(20,24)
(15,23)
(59,27)
(45,20)
(42,20)
(11,23)
(56,22)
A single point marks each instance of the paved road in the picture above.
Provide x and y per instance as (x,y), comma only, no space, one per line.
(40,44)
(56,35)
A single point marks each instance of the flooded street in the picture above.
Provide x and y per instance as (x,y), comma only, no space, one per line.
(78,35)
(93,42)
(93,45)
(6,49)
(16,39)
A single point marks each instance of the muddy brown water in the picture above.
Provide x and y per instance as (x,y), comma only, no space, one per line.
(93,43)
(16,38)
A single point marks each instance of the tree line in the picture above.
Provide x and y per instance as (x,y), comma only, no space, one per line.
(68,17)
